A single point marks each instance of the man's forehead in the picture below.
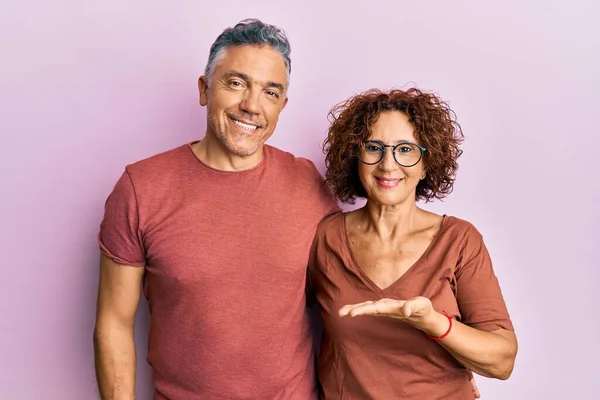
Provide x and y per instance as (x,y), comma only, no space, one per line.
(259,65)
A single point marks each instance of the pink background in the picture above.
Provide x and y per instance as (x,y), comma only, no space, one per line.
(89,86)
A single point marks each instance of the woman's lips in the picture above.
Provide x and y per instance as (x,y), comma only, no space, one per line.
(387,183)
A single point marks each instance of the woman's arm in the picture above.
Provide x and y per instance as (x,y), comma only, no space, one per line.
(491,354)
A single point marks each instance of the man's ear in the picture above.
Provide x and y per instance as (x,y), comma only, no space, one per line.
(285,103)
(202,89)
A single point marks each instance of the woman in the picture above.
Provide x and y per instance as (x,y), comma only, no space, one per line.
(409,299)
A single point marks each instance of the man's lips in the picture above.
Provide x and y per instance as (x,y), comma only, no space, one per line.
(246,125)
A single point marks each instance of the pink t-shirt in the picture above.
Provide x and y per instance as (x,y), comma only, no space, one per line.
(225,257)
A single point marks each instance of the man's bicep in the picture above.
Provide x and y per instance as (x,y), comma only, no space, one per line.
(119,291)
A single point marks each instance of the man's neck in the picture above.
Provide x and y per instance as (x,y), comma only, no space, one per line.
(213,153)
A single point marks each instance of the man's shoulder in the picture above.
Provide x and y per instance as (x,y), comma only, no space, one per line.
(159,163)
(306,184)
(290,163)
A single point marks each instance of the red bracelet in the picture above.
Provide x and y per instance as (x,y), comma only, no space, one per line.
(447,332)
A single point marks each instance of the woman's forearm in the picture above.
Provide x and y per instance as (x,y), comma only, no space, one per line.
(491,354)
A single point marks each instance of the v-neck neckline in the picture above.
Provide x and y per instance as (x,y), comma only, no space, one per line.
(365,278)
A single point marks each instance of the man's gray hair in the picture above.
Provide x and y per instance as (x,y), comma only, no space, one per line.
(251,32)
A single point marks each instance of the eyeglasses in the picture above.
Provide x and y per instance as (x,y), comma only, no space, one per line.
(406,154)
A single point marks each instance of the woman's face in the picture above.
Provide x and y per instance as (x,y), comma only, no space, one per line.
(387,182)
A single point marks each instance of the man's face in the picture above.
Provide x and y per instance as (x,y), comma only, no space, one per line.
(245,96)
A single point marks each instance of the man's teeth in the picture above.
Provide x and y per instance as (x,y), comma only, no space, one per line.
(245,126)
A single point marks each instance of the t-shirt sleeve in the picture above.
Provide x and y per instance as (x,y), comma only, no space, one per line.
(478,291)
(328,202)
(119,237)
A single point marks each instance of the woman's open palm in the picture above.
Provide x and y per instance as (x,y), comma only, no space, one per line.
(412,310)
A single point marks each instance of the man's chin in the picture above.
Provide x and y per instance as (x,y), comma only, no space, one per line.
(243,149)
(244,152)
(242,145)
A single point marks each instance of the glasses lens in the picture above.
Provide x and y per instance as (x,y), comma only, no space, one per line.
(371,153)
(407,154)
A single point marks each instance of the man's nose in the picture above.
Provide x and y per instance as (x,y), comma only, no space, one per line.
(251,102)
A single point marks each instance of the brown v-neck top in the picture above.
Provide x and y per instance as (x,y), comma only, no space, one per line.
(381,358)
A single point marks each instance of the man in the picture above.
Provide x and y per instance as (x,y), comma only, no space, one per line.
(218,233)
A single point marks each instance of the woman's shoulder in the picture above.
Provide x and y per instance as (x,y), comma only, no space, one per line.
(330,235)
(331,223)
(459,228)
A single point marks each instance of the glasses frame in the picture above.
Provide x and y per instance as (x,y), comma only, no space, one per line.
(393,147)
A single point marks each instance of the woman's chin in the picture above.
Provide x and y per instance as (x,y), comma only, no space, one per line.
(388,200)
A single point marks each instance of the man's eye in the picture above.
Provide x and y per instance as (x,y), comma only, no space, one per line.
(235,83)
(273,94)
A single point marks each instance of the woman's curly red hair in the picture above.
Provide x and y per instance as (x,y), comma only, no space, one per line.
(435,128)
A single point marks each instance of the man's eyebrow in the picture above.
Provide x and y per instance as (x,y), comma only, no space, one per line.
(275,85)
(270,84)
(235,74)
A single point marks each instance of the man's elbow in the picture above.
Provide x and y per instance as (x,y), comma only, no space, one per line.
(100,338)
(109,328)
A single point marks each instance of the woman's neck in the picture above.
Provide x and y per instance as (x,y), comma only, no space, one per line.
(389,222)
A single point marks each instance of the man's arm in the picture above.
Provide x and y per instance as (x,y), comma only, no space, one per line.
(119,291)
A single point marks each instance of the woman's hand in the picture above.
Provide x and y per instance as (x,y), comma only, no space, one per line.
(490,354)
(417,312)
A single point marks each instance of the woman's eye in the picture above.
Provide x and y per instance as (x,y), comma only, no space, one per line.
(373,149)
